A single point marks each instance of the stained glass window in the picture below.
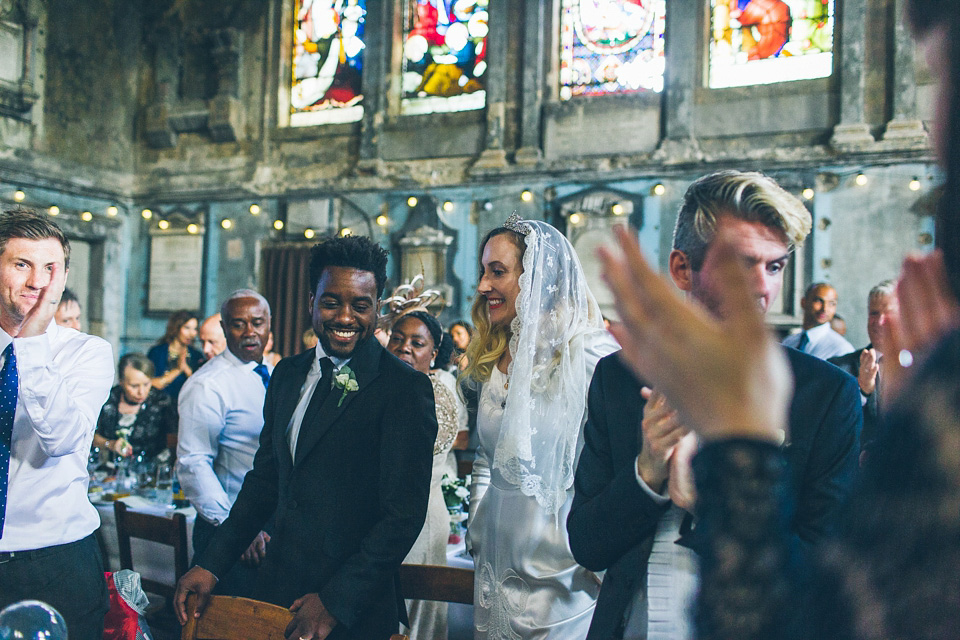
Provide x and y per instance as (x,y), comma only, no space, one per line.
(327,61)
(766,41)
(444,55)
(611,46)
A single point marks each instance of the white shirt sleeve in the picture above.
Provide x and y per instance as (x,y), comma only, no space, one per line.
(202,420)
(63,400)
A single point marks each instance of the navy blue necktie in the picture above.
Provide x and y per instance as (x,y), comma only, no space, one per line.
(261,370)
(804,342)
(8,408)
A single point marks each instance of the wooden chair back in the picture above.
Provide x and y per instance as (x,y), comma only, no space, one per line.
(167,531)
(229,618)
(440,584)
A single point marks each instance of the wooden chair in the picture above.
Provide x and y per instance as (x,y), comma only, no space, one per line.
(441,584)
(229,618)
(168,531)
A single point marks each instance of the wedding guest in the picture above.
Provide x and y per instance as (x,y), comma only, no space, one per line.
(174,358)
(414,340)
(212,340)
(68,311)
(533,362)
(53,382)
(460,331)
(269,356)
(221,417)
(891,572)
(136,418)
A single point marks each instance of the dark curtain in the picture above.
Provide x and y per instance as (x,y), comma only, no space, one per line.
(286,286)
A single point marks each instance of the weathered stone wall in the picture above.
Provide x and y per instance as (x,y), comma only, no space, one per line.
(126,117)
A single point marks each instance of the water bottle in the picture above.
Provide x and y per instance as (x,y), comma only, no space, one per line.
(179,500)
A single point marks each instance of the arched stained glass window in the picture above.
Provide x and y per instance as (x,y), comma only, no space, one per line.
(444,55)
(327,61)
(611,46)
(767,41)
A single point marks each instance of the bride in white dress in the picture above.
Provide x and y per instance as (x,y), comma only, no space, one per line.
(538,338)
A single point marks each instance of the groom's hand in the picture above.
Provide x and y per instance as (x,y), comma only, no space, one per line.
(199,581)
(311,620)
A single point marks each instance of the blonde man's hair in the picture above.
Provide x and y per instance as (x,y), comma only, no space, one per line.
(749,196)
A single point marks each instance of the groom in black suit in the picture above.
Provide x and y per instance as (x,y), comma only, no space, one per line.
(345,460)
(632,470)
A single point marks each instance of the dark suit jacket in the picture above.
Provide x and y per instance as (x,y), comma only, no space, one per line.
(850,363)
(352,503)
(612,520)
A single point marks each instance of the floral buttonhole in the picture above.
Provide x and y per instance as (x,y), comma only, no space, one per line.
(346,380)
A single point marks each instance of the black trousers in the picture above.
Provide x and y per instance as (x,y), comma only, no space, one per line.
(68,577)
(241,580)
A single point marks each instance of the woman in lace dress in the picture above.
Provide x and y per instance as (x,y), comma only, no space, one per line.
(539,334)
(414,340)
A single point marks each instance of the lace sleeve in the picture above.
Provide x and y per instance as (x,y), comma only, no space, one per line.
(743,534)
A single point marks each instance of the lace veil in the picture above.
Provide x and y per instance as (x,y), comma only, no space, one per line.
(557,320)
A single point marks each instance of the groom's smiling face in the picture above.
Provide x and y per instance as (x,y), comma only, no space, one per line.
(345,308)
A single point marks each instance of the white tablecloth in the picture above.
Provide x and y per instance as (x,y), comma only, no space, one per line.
(150,559)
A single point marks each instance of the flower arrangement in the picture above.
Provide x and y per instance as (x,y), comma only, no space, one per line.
(346,380)
(456,496)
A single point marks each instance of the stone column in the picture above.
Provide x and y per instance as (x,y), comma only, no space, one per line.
(535,28)
(681,37)
(851,131)
(494,156)
(375,80)
(905,125)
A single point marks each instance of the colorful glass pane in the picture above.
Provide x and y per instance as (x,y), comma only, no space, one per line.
(327,61)
(444,55)
(766,41)
(611,46)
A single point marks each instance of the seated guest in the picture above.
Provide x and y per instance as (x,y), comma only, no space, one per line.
(633,491)
(818,338)
(461,332)
(221,416)
(68,311)
(212,340)
(309,339)
(144,415)
(414,340)
(839,325)
(864,364)
(174,358)
(269,356)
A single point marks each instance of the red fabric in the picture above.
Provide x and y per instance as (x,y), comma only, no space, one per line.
(121,621)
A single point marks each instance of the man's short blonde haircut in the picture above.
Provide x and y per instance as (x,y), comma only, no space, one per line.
(749,196)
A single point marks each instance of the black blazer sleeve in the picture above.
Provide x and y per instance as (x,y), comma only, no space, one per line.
(610,514)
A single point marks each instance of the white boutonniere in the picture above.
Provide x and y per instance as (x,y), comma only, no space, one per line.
(346,380)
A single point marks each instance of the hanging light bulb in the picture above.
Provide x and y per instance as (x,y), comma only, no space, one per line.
(86,216)
(112,211)
(164,225)
(278,224)
(915,184)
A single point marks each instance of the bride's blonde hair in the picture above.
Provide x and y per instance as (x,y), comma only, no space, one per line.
(489,342)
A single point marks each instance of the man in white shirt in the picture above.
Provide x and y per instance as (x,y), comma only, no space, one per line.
(221,416)
(53,382)
(818,338)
